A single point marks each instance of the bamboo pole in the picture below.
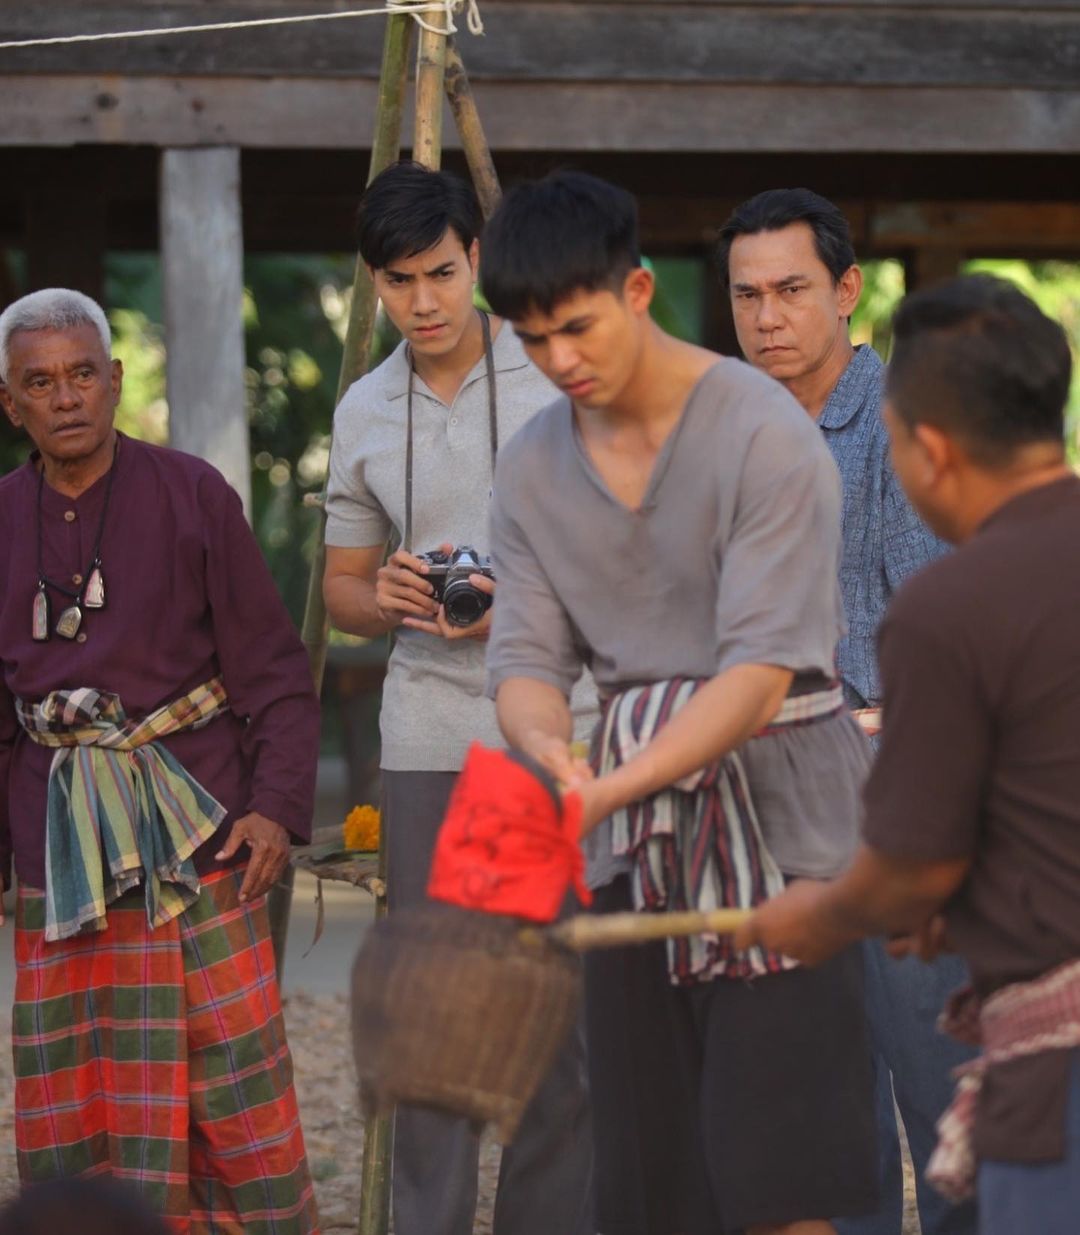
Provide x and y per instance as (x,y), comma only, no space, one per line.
(430,77)
(376,1165)
(315,628)
(374,1217)
(473,140)
(375,1174)
(427,149)
(615,930)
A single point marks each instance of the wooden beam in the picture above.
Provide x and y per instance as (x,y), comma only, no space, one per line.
(699,119)
(202,294)
(976,226)
(882,45)
(890,228)
(930,264)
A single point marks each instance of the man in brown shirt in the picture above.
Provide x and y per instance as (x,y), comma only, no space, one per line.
(972,809)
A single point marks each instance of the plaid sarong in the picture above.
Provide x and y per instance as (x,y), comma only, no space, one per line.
(121,810)
(159,1057)
(698,844)
(1025,1018)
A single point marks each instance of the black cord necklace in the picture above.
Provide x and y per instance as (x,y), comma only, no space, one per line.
(90,594)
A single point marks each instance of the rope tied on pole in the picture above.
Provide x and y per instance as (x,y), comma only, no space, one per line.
(473,21)
(411,8)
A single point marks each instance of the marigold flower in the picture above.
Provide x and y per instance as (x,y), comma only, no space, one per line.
(362,829)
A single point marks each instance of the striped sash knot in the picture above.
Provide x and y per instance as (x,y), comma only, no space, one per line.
(121,809)
(698,844)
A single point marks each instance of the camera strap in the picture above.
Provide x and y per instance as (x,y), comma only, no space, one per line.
(493,425)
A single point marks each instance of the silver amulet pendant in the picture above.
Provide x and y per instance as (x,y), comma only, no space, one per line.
(67,626)
(39,617)
(94,596)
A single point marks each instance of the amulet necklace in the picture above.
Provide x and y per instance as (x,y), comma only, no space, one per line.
(91,594)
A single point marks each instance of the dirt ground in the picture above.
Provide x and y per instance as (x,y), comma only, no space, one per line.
(330,1111)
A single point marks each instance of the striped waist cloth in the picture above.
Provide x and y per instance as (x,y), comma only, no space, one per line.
(698,844)
(121,809)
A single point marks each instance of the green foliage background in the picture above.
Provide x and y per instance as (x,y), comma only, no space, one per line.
(295,310)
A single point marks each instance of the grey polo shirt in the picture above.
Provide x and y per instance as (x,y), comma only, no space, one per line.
(731,559)
(433,703)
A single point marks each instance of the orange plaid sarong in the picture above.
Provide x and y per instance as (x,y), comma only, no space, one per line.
(159,1056)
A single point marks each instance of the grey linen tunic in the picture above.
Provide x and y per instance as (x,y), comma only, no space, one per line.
(731,559)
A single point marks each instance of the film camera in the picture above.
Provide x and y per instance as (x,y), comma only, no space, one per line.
(448,574)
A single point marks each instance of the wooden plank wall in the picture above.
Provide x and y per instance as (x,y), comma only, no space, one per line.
(555,40)
(705,75)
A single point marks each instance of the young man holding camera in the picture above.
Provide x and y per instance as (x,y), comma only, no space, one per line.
(413,457)
(674,521)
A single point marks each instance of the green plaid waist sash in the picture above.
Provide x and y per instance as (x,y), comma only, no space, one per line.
(121,809)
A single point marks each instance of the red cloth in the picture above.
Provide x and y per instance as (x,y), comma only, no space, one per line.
(505,846)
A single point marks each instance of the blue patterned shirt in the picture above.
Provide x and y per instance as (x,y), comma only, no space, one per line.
(884,541)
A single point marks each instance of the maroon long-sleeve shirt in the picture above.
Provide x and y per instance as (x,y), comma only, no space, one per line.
(188,597)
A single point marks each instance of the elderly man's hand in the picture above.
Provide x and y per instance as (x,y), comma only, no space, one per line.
(269,845)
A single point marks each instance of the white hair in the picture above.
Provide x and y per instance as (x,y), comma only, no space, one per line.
(53,308)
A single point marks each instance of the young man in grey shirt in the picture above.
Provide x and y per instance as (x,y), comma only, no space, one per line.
(414,449)
(673,522)
(790,266)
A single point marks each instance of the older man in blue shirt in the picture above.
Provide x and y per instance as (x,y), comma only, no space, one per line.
(790,267)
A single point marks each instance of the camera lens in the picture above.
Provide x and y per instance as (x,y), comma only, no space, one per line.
(463,603)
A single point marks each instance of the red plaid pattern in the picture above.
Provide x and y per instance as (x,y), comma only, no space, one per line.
(159,1056)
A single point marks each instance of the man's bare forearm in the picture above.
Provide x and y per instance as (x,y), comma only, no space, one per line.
(882,895)
(721,716)
(876,895)
(529,710)
(350,602)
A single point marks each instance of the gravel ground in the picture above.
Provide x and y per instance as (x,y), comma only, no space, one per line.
(330,1112)
(329,1109)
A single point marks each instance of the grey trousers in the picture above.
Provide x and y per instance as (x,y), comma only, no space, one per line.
(545,1180)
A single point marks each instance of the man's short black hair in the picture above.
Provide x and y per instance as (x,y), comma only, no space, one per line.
(779,208)
(978,359)
(550,238)
(408,208)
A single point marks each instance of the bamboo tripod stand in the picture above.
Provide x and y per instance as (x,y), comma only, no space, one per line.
(440,73)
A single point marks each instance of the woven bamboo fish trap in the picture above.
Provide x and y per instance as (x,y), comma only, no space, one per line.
(465,1011)
(460,1011)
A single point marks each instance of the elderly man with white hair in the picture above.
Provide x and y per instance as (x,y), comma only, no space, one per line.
(158,739)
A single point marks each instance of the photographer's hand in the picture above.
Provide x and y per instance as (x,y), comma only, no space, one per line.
(402,593)
(440,626)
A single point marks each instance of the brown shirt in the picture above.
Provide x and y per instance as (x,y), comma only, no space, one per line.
(980,758)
